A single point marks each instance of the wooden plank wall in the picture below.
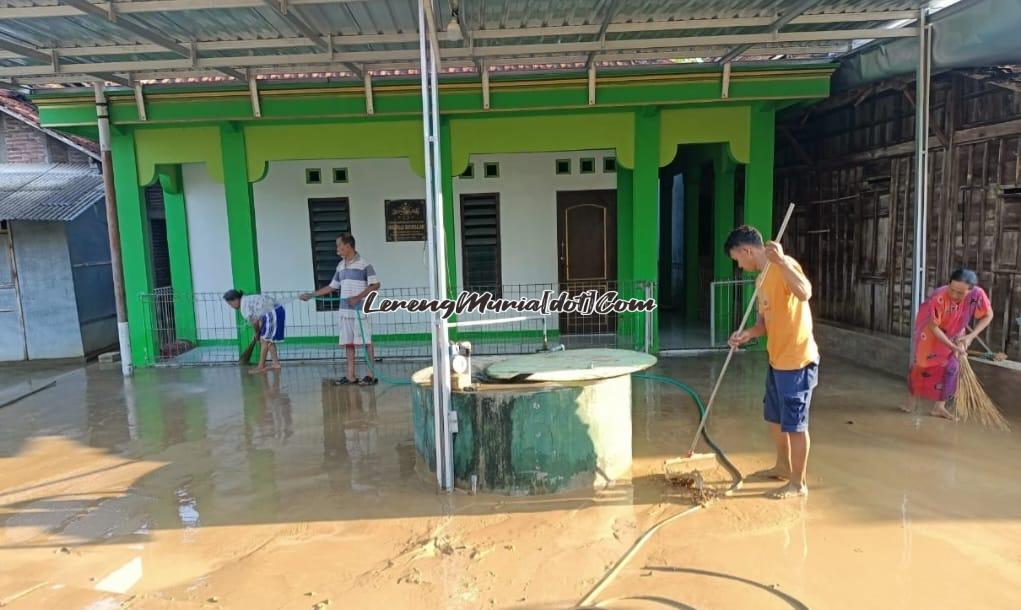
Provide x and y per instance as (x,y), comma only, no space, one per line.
(849,165)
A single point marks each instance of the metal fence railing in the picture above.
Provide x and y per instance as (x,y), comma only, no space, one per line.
(202,329)
(727,302)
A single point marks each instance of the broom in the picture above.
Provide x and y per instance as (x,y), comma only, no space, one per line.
(680,467)
(972,402)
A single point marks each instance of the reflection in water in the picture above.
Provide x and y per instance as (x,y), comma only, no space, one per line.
(351,436)
(187,509)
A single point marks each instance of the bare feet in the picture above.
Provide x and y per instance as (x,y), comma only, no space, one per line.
(276,367)
(775,473)
(906,408)
(257,371)
(790,490)
(942,412)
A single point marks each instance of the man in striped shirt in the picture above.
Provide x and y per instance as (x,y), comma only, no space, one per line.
(355,278)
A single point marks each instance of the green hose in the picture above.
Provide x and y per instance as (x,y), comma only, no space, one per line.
(731,468)
(368,361)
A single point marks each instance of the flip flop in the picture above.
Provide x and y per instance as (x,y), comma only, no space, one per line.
(341,381)
(367,380)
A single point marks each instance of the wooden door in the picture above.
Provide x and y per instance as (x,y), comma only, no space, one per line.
(587,252)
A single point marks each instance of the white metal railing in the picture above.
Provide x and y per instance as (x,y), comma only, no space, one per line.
(726,304)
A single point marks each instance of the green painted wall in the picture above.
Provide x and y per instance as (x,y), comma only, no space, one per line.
(288,102)
(347,140)
(585,130)
(157,146)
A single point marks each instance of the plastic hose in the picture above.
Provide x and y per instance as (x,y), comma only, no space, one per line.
(731,468)
(368,361)
(589,600)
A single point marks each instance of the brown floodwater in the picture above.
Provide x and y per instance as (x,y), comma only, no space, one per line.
(208,488)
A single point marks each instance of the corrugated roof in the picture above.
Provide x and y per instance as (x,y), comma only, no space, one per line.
(49,42)
(15,105)
(54,192)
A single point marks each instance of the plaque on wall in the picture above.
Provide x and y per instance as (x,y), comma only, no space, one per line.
(405,219)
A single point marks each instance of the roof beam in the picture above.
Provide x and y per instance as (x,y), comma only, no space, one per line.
(611,10)
(289,13)
(109,15)
(516,53)
(774,27)
(19,50)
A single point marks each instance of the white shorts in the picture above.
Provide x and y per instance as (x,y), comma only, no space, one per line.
(351,332)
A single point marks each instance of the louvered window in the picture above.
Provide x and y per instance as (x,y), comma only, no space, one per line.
(480,243)
(329,218)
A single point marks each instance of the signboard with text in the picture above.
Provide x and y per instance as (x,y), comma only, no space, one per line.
(405,219)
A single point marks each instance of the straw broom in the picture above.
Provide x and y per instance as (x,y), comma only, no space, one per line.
(972,402)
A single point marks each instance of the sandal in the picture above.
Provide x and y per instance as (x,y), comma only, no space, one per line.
(341,381)
(367,380)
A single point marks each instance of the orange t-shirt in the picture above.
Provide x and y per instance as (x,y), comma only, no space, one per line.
(789,339)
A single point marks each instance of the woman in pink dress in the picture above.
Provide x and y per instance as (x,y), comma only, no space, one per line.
(941,337)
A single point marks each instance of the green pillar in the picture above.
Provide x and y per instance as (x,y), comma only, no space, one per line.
(758,190)
(723,224)
(180,255)
(135,249)
(645,207)
(758,198)
(692,186)
(244,257)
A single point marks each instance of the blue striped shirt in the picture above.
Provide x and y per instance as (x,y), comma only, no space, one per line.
(351,278)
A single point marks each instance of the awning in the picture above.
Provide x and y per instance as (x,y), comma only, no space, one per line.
(53,192)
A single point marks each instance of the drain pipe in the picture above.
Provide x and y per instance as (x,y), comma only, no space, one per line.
(123,339)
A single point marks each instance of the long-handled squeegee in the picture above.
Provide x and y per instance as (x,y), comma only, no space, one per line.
(704,461)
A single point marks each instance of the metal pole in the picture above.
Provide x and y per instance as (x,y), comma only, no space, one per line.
(113,227)
(426,136)
(429,56)
(922,162)
(440,244)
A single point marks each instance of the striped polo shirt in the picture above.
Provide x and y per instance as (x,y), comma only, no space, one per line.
(351,278)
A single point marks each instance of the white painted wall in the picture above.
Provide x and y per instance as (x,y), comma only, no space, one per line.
(209,246)
(285,250)
(527,184)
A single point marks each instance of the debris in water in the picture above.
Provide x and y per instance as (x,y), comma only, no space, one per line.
(414,577)
(310,594)
(65,550)
(321,605)
(213,600)
(480,553)
(850,422)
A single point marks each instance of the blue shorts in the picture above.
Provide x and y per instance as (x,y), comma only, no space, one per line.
(273,326)
(788,396)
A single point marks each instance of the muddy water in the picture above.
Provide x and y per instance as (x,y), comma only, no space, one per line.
(202,488)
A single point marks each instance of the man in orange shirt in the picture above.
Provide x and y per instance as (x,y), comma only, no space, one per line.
(786,320)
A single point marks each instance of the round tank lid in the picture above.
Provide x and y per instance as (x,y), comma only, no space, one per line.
(570,365)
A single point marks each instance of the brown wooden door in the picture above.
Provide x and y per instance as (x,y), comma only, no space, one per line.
(587,252)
